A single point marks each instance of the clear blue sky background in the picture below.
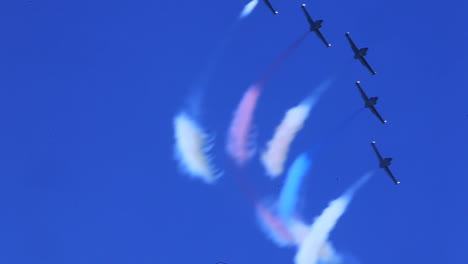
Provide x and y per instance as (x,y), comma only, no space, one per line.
(88,90)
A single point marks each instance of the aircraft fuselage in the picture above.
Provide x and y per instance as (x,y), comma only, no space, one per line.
(361,53)
(385,162)
(316,25)
(371,102)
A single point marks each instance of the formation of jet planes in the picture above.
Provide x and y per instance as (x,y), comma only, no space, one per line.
(315,25)
(359,54)
(270,7)
(370,102)
(384,163)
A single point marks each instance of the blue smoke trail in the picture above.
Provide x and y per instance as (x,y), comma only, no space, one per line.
(300,167)
(288,196)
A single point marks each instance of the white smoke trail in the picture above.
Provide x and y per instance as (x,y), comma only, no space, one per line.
(277,148)
(191,148)
(248,8)
(310,249)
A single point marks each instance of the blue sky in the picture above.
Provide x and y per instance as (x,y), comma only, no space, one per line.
(88,90)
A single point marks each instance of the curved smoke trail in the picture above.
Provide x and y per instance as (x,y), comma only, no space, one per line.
(238,143)
(189,159)
(289,193)
(191,148)
(274,157)
(308,251)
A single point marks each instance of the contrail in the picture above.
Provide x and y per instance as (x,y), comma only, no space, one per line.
(289,193)
(281,60)
(286,206)
(309,250)
(248,8)
(239,147)
(278,147)
(191,149)
(293,234)
(275,155)
(277,230)
(190,113)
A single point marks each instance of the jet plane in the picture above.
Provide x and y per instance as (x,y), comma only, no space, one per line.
(315,25)
(267,2)
(384,163)
(359,54)
(370,102)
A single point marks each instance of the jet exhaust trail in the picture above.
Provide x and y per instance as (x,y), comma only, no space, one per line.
(281,60)
(277,148)
(275,228)
(197,162)
(293,234)
(289,193)
(248,9)
(191,149)
(308,251)
(239,147)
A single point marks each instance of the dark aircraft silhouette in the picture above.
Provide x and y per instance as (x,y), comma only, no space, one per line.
(315,26)
(359,54)
(370,102)
(270,6)
(384,163)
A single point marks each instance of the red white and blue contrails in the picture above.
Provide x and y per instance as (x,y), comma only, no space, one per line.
(275,155)
(240,144)
(283,224)
(192,146)
(281,219)
(309,251)
(239,140)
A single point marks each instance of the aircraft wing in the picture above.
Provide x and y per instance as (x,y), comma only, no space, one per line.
(363,94)
(391,175)
(309,19)
(376,151)
(365,63)
(270,7)
(351,42)
(374,111)
(319,34)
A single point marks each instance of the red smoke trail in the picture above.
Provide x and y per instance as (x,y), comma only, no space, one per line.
(238,141)
(238,145)
(280,60)
(269,219)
